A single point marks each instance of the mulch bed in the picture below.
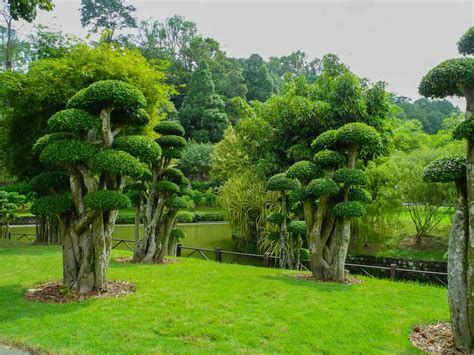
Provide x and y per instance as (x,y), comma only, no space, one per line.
(350,280)
(435,339)
(54,292)
(128,259)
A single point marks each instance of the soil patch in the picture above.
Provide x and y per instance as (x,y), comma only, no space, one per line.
(55,292)
(435,339)
(427,243)
(350,280)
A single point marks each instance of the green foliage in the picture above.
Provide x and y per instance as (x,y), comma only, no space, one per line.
(466,43)
(445,170)
(304,171)
(171,142)
(177,234)
(320,187)
(43,183)
(275,218)
(465,130)
(359,135)
(448,78)
(43,141)
(174,175)
(10,203)
(27,10)
(237,108)
(349,209)
(281,182)
(169,128)
(357,193)
(167,187)
(179,203)
(297,228)
(67,152)
(106,200)
(144,148)
(258,79)
(51,205)
(349,177)
(327,159)
(117,162)
(185,217)
(208,216)
(324,141)
(196,161)
(73,120)
(274,236)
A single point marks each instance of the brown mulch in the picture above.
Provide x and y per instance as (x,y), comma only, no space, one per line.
(435,339)
(54,292)
(427,243)
(350,280)
(128,259)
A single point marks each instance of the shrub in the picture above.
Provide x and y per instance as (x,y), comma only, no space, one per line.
(325,140)
(167,187)
(56,180)
(319,187)
(144,148)
(359,194)
(185,217)
(348,209)
(177,234)
(445,170)
(208,217)
(51,205)
(169,128)
(117,162)
(304,171)
(105,200)
(348,176)
(325,159)
(297,227)
(280,182)
(275,218)
(167,142)
(67,151)
(73,120)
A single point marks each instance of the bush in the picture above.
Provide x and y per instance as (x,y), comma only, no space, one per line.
(348,209)
(125,219)
(67,151)
(167,187)
(185,217)
(167,142)
(73,120)
(169,128)
(117,162)
(325,140)
(144,148)
(348,176)
(328,159)
(51,205)
(445,170)
(208,216)
(281,182)
(304,171)
(56,180)
(319,187)
(105,200)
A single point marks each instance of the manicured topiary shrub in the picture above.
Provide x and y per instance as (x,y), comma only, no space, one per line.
(56,180)
(176,176)
(185,217)
(281,182)
(466,42)
(106,200)
(177,234)
(167,187)
(169,128)
(446,170)
(167,142)
(349,209)
(349,177)
(304,171)
(326,140)
(144,148)
(117,162)
(42,142)
(51,205)
(275,218)
(465,130)
(319,187)
(326,159)
(73,120)
(297,227)
(357,193)
(179,202)
(357,133)
(208,217)
(67,152)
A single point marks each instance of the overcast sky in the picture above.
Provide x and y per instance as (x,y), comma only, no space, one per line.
(393,41)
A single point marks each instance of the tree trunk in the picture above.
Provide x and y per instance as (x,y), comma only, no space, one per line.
(165,235)
(284,257)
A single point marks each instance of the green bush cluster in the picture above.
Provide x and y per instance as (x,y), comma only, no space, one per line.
(73,120)
(68,151)
(326,140)
(185,217)
(106,200)
(176,176)
(179,203)
(43,141)
(142,147)
(320,187)
(465,130)
(167,187)
(51,205)
(349,209)
(348,177)
(167,142)
(274,236)
(56,180)
(177,234)
(326,159)
(445,170)
(359,134)
(208,216)
(281,182)
(131,118)
(304,171)
(357,193)
(275,218)
(106,93)
(169,128)
(117,162)
(297,228)
(466,43)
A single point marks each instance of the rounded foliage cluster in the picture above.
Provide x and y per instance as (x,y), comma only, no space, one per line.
(43,141)
(357,193)
(449,78)
(51,205)
(117,162)
(304,171)
(325,140)
(465,130)
(320,187)
(130,117)
(466,43)
(177,234)
(108,93)
(326,159)
(176,142)
(142,147)
(358,134)
(275,218)
(274,236)
(67,151)
(297,227)
(179,203)
(348,176)
(175,175)
(185,217)
(445,170)
(349,209)
(169,128)
(167,187)
(55,180)
(106,200)
(281,182)
(73,120)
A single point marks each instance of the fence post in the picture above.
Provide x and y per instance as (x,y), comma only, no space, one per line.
(9,235)
(218,253)
(178,249)
(266,260)
(393,272)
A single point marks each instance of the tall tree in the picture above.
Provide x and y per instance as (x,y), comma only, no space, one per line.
(260,84)
(202,114)
(107,16)
(455,77)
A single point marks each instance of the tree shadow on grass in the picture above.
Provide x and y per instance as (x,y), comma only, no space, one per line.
(319,286)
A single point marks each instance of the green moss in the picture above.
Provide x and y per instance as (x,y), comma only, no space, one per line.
(106,200)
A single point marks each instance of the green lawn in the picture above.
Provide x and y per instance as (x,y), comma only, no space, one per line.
(199,307)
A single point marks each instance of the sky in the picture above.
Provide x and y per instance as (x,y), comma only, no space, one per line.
(393,41)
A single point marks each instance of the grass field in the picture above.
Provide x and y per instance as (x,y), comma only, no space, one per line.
(195,306)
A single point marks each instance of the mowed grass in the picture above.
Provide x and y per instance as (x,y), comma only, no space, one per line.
(195,306)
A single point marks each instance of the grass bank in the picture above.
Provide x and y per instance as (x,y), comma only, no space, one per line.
(196,306)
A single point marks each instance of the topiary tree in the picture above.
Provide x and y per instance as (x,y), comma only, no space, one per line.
(333,194)
(159,196)
(283,184)
(10,203)
(82,145)
(455,77)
